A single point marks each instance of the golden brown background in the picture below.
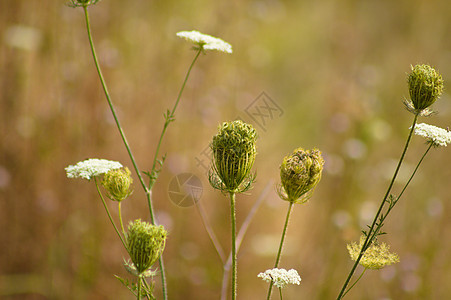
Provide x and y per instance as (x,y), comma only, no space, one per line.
(336,68)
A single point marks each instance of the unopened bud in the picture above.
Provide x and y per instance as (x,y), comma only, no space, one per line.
(300,172)
(234,150)
(425,87)
(145,243)
(118,184)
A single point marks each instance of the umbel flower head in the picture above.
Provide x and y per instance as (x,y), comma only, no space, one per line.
(425,87)
(234,150)
(434,135)
(145,243)
(300,172)
(118,184)
(92,167)
(205,42)
(76,3)
(376,256)
(281,277)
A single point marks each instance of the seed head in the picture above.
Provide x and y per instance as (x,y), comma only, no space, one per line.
(145,243)
(234,150)
(300,172)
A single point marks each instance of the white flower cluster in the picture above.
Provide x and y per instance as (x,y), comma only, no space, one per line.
(281,277)
(91,167)
(435,135)
(205,41)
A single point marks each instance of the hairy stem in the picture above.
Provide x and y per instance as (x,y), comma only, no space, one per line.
(369,237)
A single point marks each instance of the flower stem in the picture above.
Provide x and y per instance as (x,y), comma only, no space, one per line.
(109,215)
(355,282)
(138,295)
(279,253)
(169,117)
(234,265)
(124,139)
(280,293)
(120,218)
(240,237)
(369,237)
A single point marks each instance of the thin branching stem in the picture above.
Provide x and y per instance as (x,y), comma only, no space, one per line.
(355,282)
(124,139)
(169,117)
(109,215)
(210,232)
(279,253)
(369,236)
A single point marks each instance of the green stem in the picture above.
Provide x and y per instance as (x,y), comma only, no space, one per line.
(355,282)
(280,293)
(124,139)
(120,218)
(210,232)
(168,119)
(416,168)
(109,215)
(279,253)
(240,237)
(234,265)
(368,240)
(382,219)
(138,295)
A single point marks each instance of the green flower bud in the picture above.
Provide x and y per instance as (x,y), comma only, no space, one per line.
(145,243)
(118,184)
(234,150)
(300,172)
(425,87)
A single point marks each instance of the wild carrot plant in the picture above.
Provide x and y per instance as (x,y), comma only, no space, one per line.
(234,152)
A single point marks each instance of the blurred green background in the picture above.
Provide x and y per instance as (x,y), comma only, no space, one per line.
(337,72)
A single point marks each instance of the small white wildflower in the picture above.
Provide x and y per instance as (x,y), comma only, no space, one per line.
(91,167)
(435,135)
(281,277)
(205,41)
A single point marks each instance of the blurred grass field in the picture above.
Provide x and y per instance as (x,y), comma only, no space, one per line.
(337,71)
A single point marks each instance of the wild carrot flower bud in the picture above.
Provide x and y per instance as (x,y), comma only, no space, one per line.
(118,184)
(376,256)
(425,87)
(145,243)
(300,172)
(234,150)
